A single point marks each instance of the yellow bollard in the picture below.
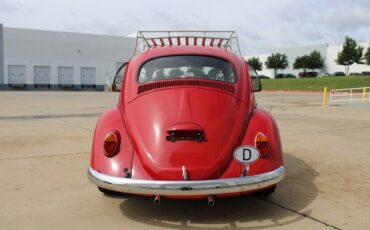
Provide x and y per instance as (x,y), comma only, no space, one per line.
(364,95)
(324,98)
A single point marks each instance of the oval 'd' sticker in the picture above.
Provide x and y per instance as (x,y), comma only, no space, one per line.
(246,154)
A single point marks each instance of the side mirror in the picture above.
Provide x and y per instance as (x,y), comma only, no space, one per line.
(118,78)
(256,84)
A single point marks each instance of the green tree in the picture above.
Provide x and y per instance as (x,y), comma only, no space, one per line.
(276,61)
(255,63)
(350,54)
(301,63)
(367,56)
(315,61)
(312,61)
(176,73)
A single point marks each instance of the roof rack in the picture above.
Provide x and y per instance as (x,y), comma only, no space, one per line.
(223,39)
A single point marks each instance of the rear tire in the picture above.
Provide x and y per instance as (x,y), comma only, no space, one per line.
(267,191)
(109,192)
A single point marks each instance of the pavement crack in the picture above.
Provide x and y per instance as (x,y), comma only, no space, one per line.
(76,125)
(48,116)
(299,213)
(42,156)
(331,130)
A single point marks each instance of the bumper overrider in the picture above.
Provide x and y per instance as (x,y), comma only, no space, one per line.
(186,188)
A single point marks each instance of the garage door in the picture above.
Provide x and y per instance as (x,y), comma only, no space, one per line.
(88,76)
(17,74)
(41,75)
(65,76)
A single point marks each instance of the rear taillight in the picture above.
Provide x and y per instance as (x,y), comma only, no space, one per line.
(111,143)
(262,144)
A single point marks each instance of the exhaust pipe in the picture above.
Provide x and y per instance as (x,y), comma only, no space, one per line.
(211,201)
(157,200)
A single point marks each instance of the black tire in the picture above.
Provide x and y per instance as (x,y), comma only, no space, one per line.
(109,192)
(267,191)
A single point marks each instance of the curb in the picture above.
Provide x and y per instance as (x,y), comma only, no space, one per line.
(291,91)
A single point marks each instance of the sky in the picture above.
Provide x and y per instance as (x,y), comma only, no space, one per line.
(262,26)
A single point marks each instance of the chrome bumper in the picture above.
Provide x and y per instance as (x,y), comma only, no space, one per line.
(186,188)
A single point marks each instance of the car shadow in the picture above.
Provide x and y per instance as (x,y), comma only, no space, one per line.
(292,195)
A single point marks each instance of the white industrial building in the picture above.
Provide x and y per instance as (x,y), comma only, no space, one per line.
(328,52)
(36,59)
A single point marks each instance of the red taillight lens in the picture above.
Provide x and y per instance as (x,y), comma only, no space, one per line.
(111,143)
(262,144)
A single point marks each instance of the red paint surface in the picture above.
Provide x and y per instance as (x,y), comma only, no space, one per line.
(144,120)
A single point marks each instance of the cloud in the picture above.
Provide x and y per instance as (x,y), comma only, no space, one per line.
(346,18)
(9,7)
(262,26)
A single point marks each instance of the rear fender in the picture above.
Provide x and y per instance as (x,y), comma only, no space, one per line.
(114,166)
(260,121)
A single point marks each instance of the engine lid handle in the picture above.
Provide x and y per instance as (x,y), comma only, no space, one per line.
(186,132)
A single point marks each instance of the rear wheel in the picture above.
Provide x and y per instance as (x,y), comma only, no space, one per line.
(267,191)
(109,192)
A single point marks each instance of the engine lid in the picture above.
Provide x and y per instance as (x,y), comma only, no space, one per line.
(188,127)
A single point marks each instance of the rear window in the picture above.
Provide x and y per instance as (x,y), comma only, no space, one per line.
(189,66)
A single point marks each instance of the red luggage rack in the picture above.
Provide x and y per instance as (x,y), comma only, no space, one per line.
(223,39)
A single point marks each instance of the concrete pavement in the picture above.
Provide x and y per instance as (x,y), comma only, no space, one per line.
(45,140)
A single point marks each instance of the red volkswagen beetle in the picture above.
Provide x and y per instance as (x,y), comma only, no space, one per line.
(186,124)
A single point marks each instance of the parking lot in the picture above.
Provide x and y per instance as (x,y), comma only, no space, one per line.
(45,139)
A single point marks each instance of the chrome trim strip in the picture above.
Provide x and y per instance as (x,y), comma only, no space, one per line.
(186,188)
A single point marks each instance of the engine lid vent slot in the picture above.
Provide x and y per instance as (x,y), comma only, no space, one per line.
(197,83)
